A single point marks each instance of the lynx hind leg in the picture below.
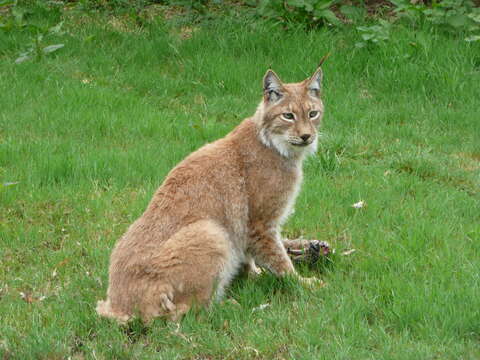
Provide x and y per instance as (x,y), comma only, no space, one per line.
(195,262)
(185,269)
(180,310)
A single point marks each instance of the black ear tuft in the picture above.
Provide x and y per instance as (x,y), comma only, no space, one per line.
(315,83)
(272,86)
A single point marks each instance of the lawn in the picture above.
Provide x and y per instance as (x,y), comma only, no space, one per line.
(88,132)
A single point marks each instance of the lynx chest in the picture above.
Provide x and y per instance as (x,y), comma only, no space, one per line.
(273,189)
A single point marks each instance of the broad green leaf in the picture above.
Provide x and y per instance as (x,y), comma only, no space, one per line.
(322,5)
(458,21)
(268,9)
(328,15)
(308,7)
(354,13)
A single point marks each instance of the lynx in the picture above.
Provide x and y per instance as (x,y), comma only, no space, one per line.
(219,210)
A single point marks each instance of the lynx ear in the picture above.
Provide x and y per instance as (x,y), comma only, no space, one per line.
(272,87)
(314,84)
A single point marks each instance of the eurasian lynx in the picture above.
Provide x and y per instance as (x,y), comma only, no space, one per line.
(219,209)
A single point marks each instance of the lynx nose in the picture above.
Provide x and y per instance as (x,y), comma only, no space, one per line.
(305,137)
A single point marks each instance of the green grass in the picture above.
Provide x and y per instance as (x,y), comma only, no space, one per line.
(90,131)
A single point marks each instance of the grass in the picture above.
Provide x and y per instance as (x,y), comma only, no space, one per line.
(90,131)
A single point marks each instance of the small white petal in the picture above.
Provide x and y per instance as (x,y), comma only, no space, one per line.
(260,307)
(359,205)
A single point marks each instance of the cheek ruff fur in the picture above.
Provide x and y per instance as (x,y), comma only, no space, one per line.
(286,146)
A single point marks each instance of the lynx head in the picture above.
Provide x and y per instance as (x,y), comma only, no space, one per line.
(290,114)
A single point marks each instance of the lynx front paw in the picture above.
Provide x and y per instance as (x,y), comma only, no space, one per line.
(251,269)
(254,271)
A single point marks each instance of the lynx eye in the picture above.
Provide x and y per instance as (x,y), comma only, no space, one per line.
(288,116)
(313,114)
